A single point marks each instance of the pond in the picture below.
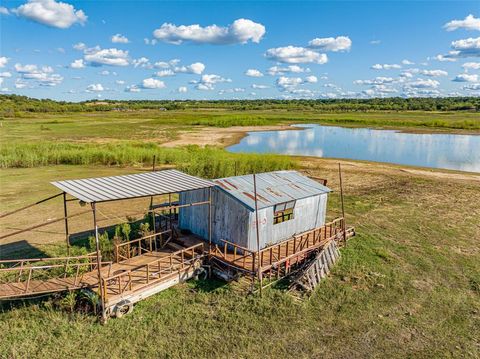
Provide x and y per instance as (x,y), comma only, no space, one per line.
(437,150)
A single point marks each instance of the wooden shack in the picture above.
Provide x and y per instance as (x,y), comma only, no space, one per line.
(288,203)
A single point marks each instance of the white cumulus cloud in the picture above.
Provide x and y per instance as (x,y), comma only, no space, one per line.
(196,68)
(51,13)
(95,88)
(253,73)
(444,58)
(376,81)
(386,67)
(469,23)
(77,64)
(240,31)
(133,88)
(466,78)
(119,39)
(170,68)
(295,55)
(165,73)
(3,61)
(80,46)
(182,89)
(462,48)
(472,87)
(290,84)
(43,76)
(471,66)
(434,73)
(97,56)
(4,11)
(422,83)
(466,47)
(152,83)
(279,70)
(260,87)
(208,81)
(335,44)
(141,62)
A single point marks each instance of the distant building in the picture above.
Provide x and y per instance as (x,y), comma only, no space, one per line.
(288,203)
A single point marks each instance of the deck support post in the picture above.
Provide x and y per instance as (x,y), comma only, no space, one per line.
(210,217)
(97,247)
(65,212)
(343,207)
(170,212)
(259,268)
(153,169)
(154,228)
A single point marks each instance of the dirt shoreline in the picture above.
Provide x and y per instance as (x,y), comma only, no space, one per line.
(215,136)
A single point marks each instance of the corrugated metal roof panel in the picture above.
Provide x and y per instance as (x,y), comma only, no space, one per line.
(131,186)
(272,188)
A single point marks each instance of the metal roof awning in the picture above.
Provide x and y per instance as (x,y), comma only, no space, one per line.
(113,188)
(272,188)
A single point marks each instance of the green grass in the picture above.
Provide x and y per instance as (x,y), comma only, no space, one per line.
(406,286)
(210,162)
(163,126)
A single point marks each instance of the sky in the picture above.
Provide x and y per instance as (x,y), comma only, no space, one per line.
(81,50)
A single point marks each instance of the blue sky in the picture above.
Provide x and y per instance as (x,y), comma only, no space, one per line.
(224,50)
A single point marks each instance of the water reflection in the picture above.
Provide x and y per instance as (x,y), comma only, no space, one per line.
(458,152)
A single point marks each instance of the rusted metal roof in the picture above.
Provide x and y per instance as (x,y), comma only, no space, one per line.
(113,188)
(272,188)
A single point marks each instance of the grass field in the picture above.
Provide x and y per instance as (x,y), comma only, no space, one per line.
(162,126)
(408,285)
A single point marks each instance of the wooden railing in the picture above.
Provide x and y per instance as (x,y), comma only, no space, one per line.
(153,271)
(136,247)
(283,251)
(27,270)
(242,258)
(235,254)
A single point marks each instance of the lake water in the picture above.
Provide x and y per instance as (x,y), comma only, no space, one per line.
(449,151)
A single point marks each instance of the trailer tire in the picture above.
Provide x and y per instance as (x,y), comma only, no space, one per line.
(122,308)
(201,273)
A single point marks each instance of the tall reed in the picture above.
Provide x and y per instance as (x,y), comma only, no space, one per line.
(208,162)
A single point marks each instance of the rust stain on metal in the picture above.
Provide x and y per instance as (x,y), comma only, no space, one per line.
(294,185)
(221,184)
(263,198)
(231,184)
(252,197)
(270,189)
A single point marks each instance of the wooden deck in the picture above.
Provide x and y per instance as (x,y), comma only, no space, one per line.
(34,277)
(285,253)
(143,266)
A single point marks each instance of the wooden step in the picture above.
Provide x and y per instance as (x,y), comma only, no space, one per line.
(178,247)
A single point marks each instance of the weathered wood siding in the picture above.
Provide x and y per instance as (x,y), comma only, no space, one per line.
(229,217)
(309,213)
(236,223)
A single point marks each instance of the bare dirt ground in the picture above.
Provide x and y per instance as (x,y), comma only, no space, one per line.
(215,136)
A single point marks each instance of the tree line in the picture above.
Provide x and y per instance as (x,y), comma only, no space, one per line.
(15,105)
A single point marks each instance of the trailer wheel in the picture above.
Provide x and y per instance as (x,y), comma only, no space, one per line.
(122,308)
(201,273)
